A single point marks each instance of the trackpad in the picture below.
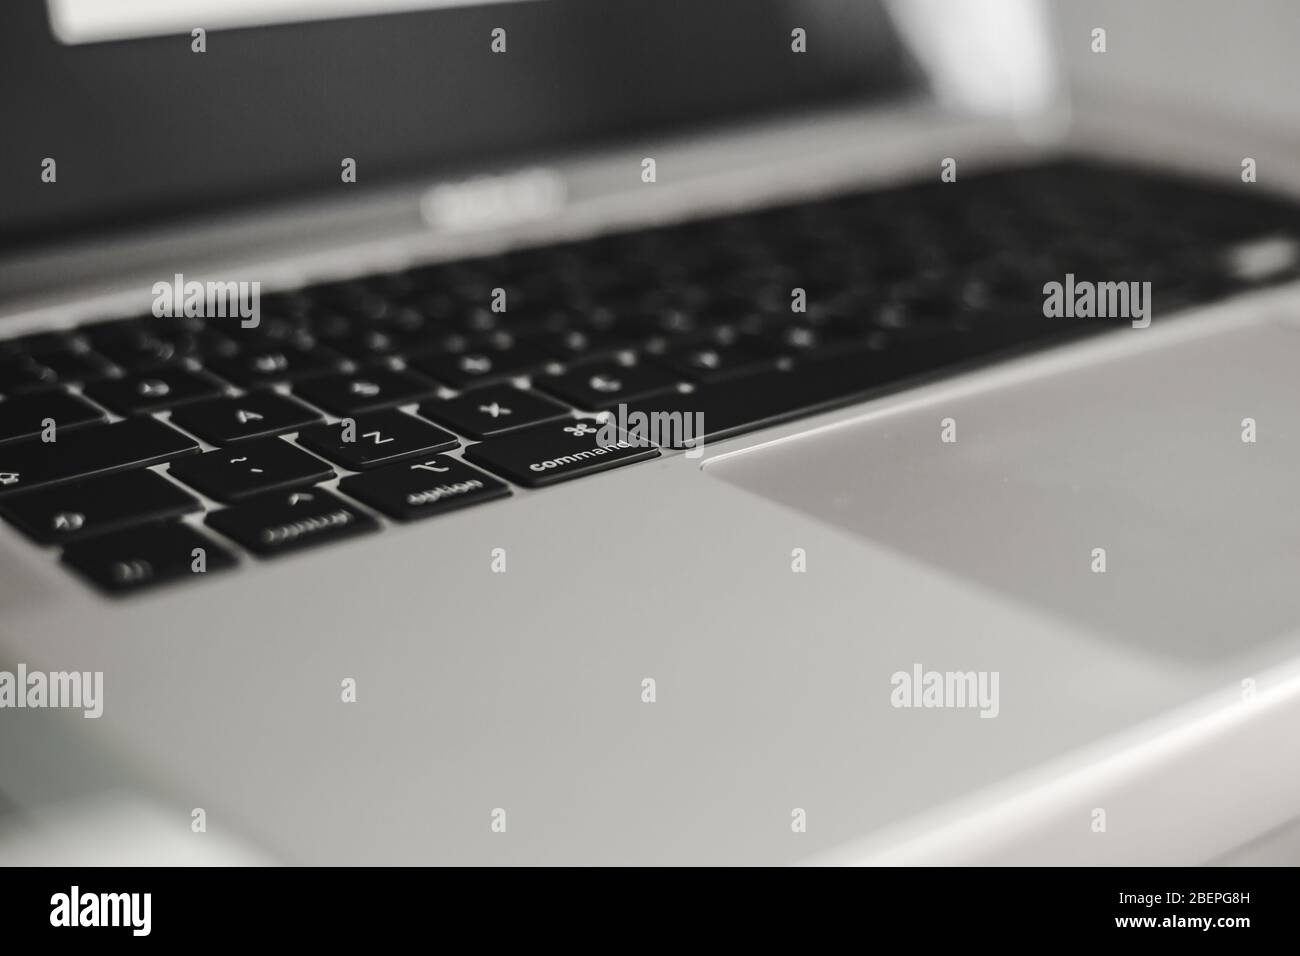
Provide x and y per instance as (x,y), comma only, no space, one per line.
(1139,462)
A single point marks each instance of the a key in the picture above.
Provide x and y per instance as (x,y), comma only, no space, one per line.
(126,561)
(492,410)
(377,438)
(25,415)
(423,488)
(90,450)
(81,509)
(222,421)
(283,521)
(152,390)
(603,385)
(482,365)
(361,391)
(557,452)
(263,464)
(252,367)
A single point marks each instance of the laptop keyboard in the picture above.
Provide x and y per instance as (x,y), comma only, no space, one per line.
(899,285)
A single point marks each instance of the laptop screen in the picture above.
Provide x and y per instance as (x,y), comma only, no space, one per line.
(84,21)
(143,124)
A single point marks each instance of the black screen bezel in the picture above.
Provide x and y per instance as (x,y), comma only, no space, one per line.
(145,129)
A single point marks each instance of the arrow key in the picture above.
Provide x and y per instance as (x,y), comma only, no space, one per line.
(255,415)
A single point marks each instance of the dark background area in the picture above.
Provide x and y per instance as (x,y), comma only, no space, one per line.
(146,128)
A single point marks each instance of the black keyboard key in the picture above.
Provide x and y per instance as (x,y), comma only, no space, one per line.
(294,303)
(20,373)
(42,343)
(263,464)
(352,298)
(249,368)
(425,488)
(391,285)
(140,352)
(795,338)
(583,344)
(81,509)
(378,439)
(753,401)
(476,320)
(603,385)
(712,362)
(361,391)
(136,347)
(366,345)
(25,415)
(666,326)
(557,452)
(117,331)
(90,450)
(482,365)
(221,421)
(166,327)
(405,332)
(431,341)
(127,561)
(284,521)
(492,410)
(75,365)
(272,333)
(152,390)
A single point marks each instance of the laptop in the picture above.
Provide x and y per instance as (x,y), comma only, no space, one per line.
(564,433)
